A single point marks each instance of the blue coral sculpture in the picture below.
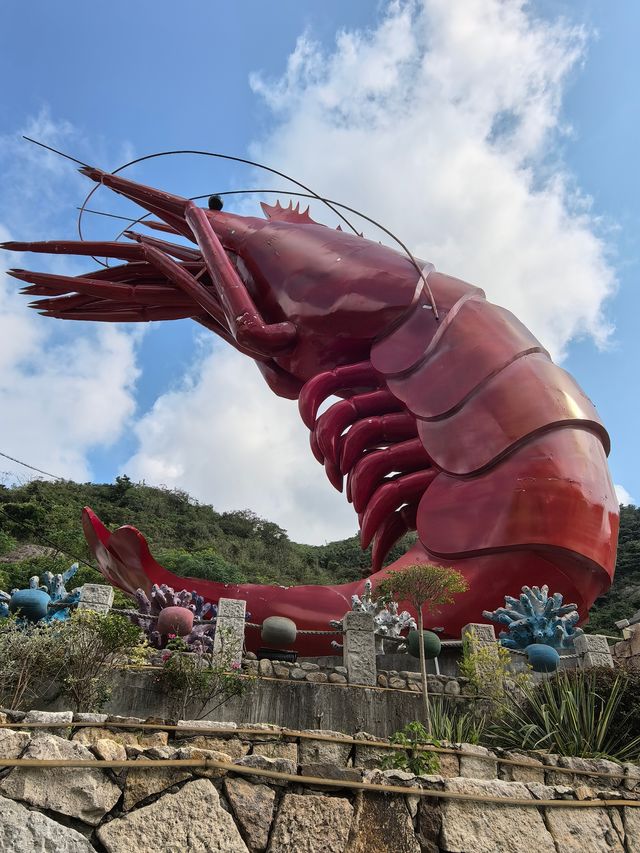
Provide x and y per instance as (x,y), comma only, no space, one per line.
(48,601)
(536,617)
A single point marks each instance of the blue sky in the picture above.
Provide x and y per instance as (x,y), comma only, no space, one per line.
(120,80)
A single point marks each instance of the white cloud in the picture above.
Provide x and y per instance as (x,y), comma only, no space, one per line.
(623,495)
(226,439)
(443,123)
(65,388)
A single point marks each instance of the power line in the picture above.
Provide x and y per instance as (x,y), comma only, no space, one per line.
(32,467)
(30,529)
(51,544)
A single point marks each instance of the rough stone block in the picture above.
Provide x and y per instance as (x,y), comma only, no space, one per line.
(261,762)
(98,719)
(229,637)
(51,718)
(233,747)
(576,831)
(488,828)
(12,743)
(191,819)
(356,621)
(205,724)
(96,596)
(144,740)
(324,751)
(481,764)
(596,765)
(359,649)
(533,772)
(277,749)
(22,830)
(369,756)
(232,608)
(593,650)
(311,823)
(109,750)
(479,632)
(147,781)
(381,822)
(253,809)
(317,677)
(83,793)
(265,668)
(330,771)
(192,752)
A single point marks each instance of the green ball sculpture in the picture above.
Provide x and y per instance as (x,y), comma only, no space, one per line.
(432,644)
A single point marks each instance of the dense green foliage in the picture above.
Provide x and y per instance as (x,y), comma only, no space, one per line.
(623,599)
(413,759)
(193,540)
(188,538)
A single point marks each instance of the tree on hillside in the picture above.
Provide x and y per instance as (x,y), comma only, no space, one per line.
(425,587)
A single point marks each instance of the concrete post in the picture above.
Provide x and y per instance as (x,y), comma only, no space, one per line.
(593,650)
(96,596)
(359,649)
(228,640)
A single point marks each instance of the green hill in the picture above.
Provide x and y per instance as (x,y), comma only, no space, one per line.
(40,530)
(189,538)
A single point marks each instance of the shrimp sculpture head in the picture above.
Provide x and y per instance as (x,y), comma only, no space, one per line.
(453,420)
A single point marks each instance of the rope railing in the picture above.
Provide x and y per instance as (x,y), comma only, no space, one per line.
(304,735)
(212,764)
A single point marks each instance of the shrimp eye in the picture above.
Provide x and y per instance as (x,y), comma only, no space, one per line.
(215,202)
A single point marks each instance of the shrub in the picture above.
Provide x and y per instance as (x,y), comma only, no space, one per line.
(29,662)
(412,758)
(490,670)
(197,682)
(455,724)
(91,646)
(570,714)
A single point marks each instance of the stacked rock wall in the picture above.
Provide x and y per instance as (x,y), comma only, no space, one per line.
(327,671)
(479,800)
(627,652)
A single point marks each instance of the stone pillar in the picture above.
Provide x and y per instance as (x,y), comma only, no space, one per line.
(359,649)
(479,635)
(229,637)
(480,639)
(592,650)
(96,596)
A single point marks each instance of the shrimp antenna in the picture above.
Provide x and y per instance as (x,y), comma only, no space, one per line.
(55,151)
(311,194)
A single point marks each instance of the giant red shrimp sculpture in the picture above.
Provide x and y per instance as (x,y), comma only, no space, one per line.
(454,420)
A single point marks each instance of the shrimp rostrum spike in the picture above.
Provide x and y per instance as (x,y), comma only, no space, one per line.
(457,426)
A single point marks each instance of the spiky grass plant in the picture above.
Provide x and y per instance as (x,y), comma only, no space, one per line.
(568,715)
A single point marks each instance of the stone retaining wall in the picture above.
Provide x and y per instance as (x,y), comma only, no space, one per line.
(292,703)
(178,809)
(627,651)
(327,671)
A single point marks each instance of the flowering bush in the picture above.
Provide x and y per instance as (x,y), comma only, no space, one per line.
(198,680)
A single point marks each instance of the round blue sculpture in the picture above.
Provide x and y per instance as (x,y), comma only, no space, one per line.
(48,601)
(31,604)
(542,658)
